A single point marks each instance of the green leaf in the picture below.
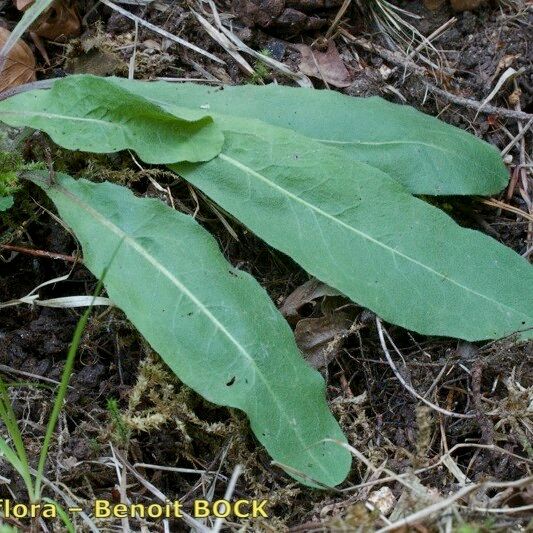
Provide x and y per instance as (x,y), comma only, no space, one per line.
(6,202)
(358,230)
(92,114)
(426,155)
(355,228)
(213,325)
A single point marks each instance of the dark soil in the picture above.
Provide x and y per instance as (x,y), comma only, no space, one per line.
(382,420)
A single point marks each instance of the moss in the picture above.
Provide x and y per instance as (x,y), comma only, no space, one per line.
(11,163)
(261,70)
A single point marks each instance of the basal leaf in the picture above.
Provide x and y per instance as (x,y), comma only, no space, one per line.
(358,230)
(91,114)
(425,154)
(213,325)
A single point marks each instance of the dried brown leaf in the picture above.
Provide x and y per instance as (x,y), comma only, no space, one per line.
(304,294)
(22,5)
(20,63)
(320,339)
(59,20)
(327,66)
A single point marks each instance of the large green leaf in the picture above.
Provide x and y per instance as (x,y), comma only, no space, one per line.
(425,154)
(98,116)
(213,325)
(358,230)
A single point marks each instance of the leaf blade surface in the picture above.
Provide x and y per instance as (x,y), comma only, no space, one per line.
(212,324)
(357,230)
(90,113)
(425,154)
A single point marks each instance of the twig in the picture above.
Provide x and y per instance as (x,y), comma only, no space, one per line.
(474,104)
(223,41)
(431,37)
(405,384)
(526,190)
(340,13)
(41,84)
(122,483)
(300,78)
(509,74)
(506,207)
(487,429)
(503,510)
(9,370)
(188,519)
(423,513)
(40,253)
(518,137)
(527,252)
(442,459)
(230,489)
(392,57)
(358,455)
(160,31)
(422,71)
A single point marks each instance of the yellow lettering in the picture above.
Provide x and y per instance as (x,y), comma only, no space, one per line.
(20,510)
(49,511)
(226,509)
(120,510)
(102,509)
(6,508)
(201,508)
(34,510)
(237,508)
(177,509)
(258,508)
(154,511)
(137,510)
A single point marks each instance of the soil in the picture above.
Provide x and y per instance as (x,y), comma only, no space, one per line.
(382,420)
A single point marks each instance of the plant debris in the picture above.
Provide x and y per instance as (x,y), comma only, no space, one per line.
(130,430)
(20,64)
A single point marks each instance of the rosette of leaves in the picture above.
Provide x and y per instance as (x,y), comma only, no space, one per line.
(301,180)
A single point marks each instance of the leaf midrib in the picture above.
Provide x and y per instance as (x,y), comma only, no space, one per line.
(435,147)
(333,142)
(62,117)
(380,143)
(152,260)
(365,236)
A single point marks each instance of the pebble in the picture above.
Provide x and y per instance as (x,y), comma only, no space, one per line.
(383,500)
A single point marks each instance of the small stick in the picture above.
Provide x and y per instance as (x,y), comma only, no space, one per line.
(515,140)
(345,5)
(40,253)
(41,84)
(450,500)
(422,71)
(161,31)
(437,33)
(405,384)
(506,207)
(512,185)
(474,104)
